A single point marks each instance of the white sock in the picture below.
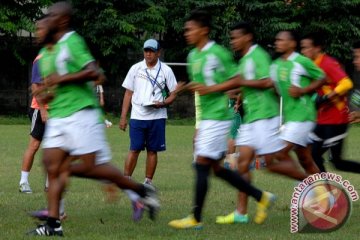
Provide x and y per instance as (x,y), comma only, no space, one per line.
(47,181)
(24,177)
(148,181)
(62,206)
(132,195)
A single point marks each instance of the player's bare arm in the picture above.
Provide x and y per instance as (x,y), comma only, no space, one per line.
(295,91)
(89,73)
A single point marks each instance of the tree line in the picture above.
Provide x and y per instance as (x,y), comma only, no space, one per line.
(115,29)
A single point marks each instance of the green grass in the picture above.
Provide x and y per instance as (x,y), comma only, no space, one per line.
(90,217)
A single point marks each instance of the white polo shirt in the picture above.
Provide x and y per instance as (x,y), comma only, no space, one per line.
(141,81)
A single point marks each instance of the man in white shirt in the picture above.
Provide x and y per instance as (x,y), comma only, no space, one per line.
(150,87)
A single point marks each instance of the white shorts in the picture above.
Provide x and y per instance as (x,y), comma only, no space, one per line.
(79,134)
(262,135)
(211,139)
(297,132)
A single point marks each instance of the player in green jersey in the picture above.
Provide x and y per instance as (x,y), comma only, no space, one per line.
(296,77)
(75,126)
(209,64)
(259,133)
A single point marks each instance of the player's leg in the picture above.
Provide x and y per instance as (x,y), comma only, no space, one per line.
(36,135)
(306,160)
(240,214)
(317,137)
(210,143)
(341,164)
(282,163)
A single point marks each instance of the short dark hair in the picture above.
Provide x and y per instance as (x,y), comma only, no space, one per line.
(317,39)
(356,45)
(244,26)
(202,17)
(293,34)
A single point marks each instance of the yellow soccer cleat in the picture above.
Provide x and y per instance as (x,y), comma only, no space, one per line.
(266,201)
(232,218)
(186,223)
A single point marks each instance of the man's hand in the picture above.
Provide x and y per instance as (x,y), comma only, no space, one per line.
(158,104)
(296,91)
(123,123)
(52,80)
(43,114)
(319,100)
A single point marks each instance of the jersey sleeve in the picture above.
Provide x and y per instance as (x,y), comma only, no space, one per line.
(230,68)
(35,73)
(262,66)
(312,71)
(334,71)
(79,51)
(189,66)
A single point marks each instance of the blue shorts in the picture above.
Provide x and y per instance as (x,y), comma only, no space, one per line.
(149,134)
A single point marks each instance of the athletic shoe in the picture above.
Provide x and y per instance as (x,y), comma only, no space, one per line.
(138,210)
(43,214)
(25,188)
(46,230)
(266,201)
(186,223)
(233,217)
(151,201)
(108,123)
(147,181)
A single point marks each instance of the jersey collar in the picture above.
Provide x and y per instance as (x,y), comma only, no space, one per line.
(208,45)
(292,56)
(251,49)
(319,58)
(66,36)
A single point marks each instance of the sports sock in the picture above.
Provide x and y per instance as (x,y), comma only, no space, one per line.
(238,182)
(53,222)
(24,177)
(47,181)
(148,181)
(62,206)
(201,187)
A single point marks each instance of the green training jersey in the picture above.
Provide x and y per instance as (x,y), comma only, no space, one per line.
(69,55)
(258,103)
(299,71)
(209,66)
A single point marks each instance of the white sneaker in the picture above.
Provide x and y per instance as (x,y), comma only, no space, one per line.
(25,188)
(108,123)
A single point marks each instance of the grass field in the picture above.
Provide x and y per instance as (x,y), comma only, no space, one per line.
(91,217)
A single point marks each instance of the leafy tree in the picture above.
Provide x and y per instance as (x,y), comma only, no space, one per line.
(17,16)
(116,29)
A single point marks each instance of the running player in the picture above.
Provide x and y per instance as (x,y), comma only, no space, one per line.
(333,112)
(296,77)
(209,64)
(74,126)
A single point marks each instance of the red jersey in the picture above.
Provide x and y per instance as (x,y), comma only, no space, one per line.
(336,111)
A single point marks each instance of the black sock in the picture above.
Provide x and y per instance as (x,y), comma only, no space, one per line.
(53,222)
(238,182)
(201,187)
